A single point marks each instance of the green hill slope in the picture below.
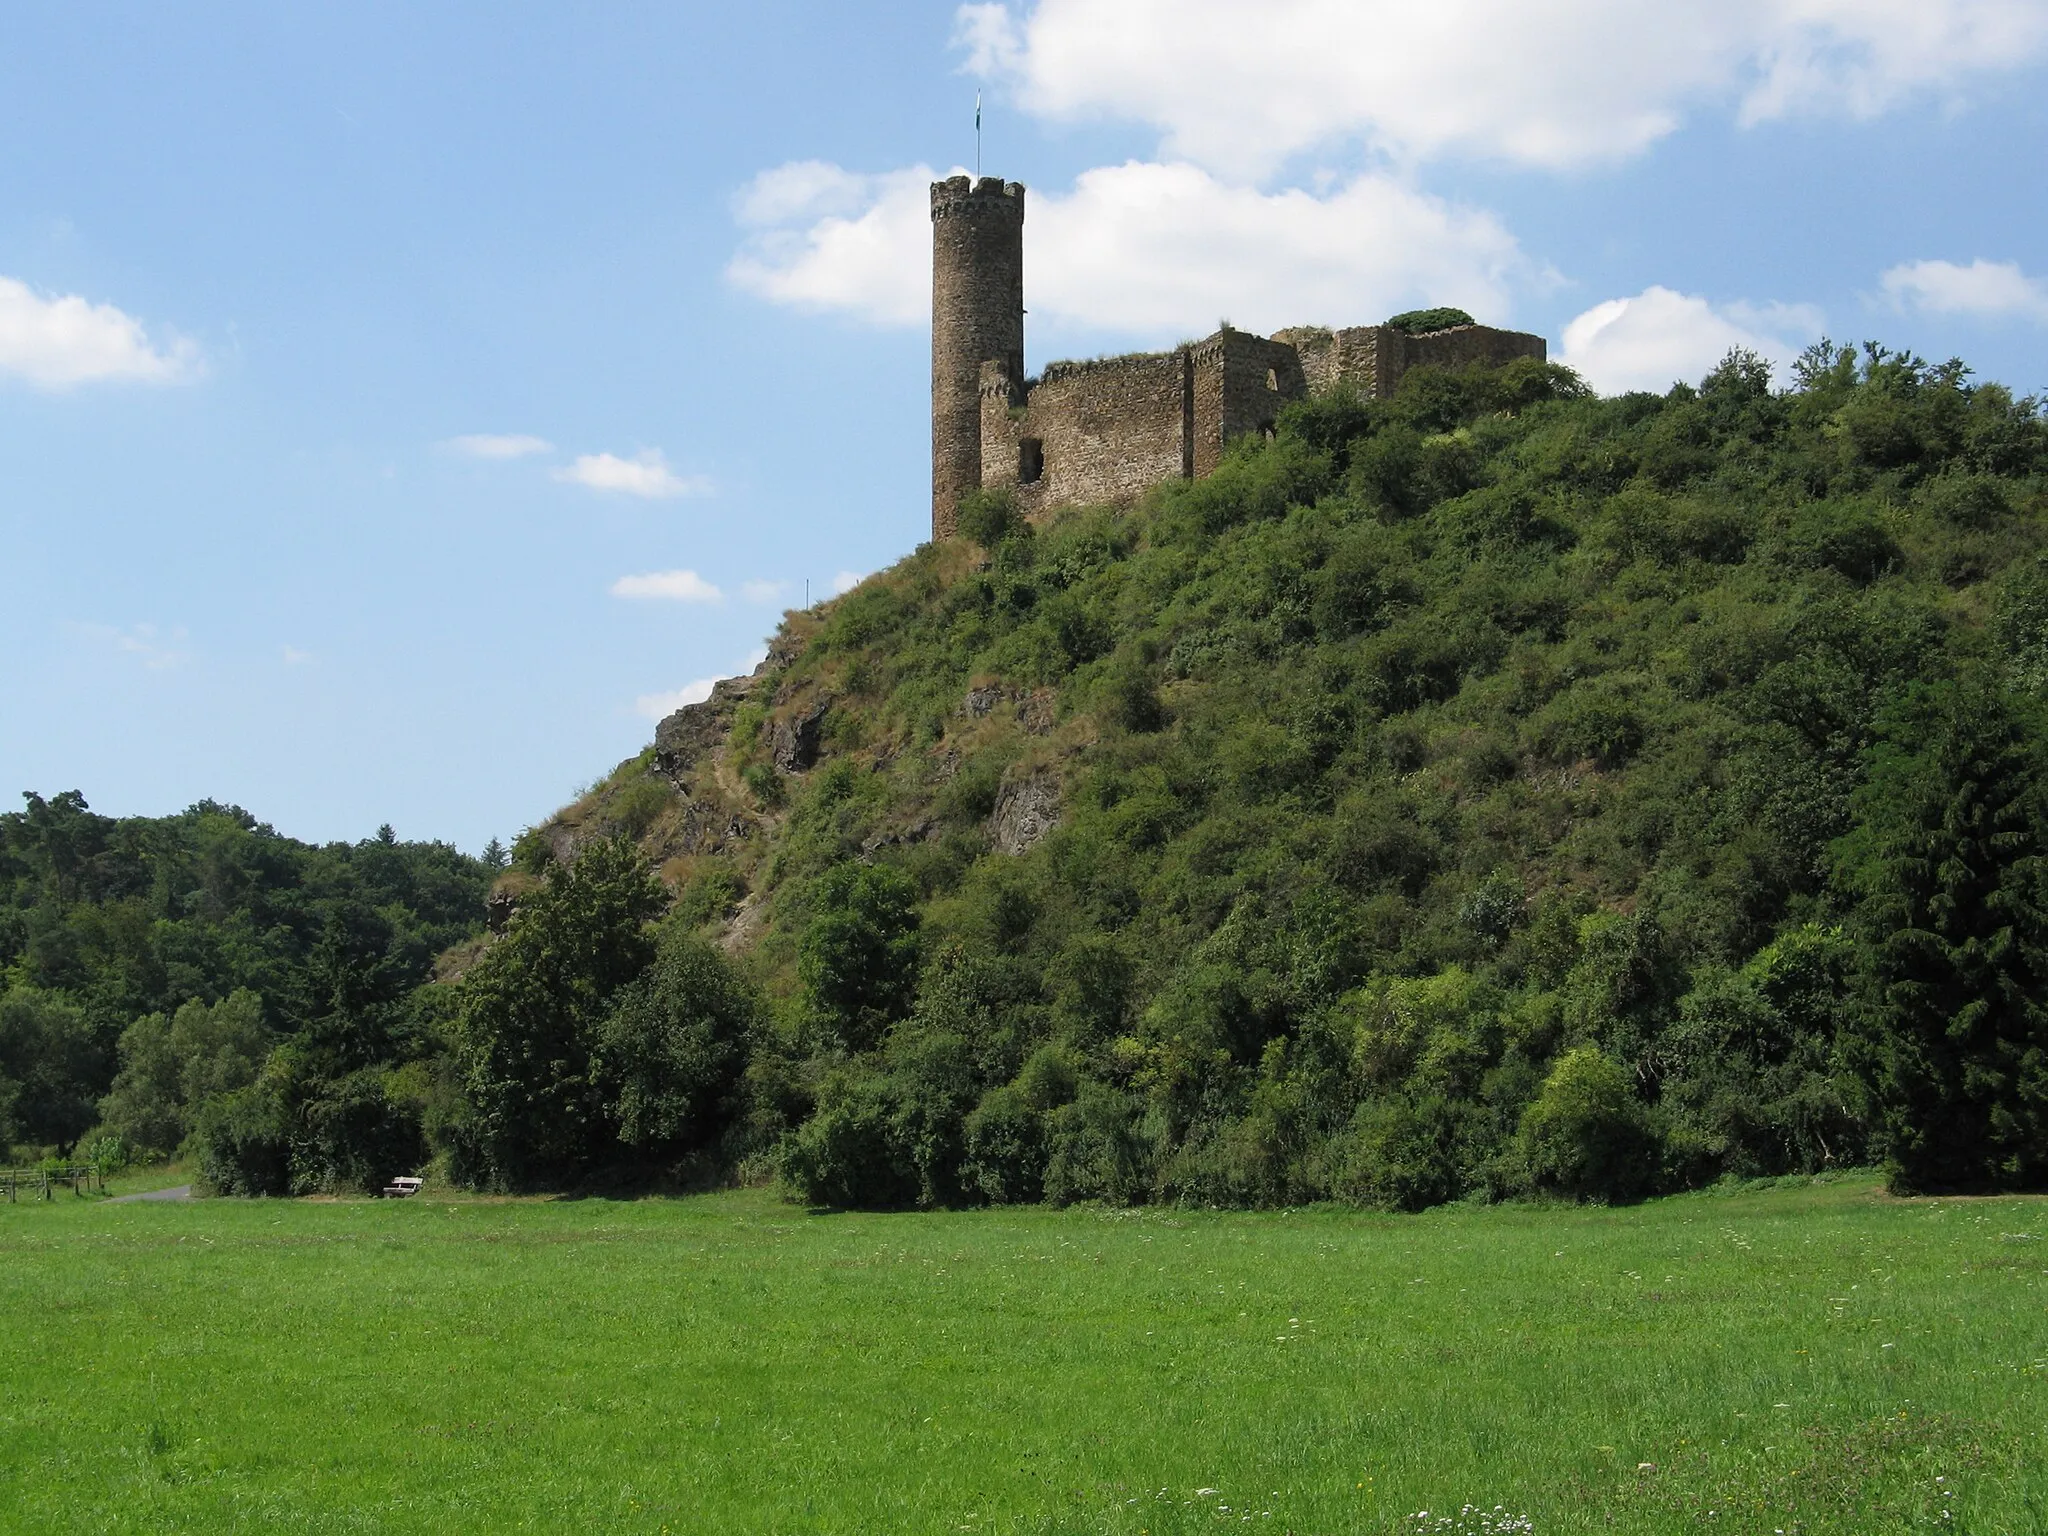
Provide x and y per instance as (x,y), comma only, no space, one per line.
(1492,789)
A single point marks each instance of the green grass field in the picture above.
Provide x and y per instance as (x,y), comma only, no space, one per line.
(1798,1359)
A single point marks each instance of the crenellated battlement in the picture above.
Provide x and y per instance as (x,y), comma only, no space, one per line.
(963,196)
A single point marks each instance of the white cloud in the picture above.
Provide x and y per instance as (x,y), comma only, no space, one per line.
(57,343)
(1160,251)
(1243,85)
(824,238)
(645,474)
(762,591)
(294,657)
(1987,289)
(656,706)
(674,586)
(494,445)
(1659,337)
(846,581)
(156,648)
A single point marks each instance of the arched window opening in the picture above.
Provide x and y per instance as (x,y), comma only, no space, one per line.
(1030,461)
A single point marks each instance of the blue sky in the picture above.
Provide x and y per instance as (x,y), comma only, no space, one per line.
(401,406)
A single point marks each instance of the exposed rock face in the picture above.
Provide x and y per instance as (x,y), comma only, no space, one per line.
(1037,710)
(796,740)
(916,832)
(1026,809)
(708,828)
(498,909)
(683,738)
(744,926)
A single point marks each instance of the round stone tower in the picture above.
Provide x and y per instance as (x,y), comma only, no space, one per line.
(977,316)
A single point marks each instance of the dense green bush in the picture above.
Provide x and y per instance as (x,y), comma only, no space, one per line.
(51,1062)
(1493,789)
(1587,1135)
(531,1016)
(244,1143)
(858,961)
(671,1053)
(169,1067)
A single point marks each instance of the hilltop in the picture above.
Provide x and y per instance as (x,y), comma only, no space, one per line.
(1481,791)
(1488,789)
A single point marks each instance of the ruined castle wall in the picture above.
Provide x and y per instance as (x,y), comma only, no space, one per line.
(1103,430)
(977,315)
(1372,358)
(1469,344)
(1240,383)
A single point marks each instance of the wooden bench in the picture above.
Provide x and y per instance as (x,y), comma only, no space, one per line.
(398,1189)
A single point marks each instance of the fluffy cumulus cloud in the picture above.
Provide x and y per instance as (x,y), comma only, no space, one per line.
(499,445)
(762,591)
(1242,85)
(1154,250)
(58,343)
(821,237)
(668,586)
(656,706)
(1660,337)
(1990,290)
(645,474)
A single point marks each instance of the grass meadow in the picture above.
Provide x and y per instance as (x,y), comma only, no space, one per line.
(1800,1359)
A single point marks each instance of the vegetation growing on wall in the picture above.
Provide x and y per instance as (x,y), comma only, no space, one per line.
(1420,322)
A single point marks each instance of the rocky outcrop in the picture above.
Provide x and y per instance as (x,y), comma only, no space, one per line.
(797,739)
(498,909)
(1026,809)
(916,832)
(683,739)
(1037,709)
(707,828)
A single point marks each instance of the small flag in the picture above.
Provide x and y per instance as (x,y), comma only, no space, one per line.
(977,111)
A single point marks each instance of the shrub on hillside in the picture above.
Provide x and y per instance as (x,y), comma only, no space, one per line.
(1587,1135)
(857,959)
(671,1052)
(530,1016)
(1945,864)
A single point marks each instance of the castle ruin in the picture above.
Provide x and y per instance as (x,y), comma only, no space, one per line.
(1106,430)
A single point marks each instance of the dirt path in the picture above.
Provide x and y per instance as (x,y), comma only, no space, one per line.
(175,1192)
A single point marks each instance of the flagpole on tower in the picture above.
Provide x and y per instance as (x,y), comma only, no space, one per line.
(977,135)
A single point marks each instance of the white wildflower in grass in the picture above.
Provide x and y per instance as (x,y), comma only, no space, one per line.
(1471,1520)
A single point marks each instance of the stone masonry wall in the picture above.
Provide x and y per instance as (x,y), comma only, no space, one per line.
(1241,381)
(1372,358)
(977,315)
(1109,429)
(1104,430)
(1463,346)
